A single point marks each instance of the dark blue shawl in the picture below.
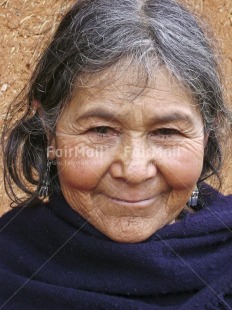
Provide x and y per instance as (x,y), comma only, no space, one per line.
(52,259)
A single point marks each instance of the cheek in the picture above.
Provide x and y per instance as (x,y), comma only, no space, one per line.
(183,169)
(81,173)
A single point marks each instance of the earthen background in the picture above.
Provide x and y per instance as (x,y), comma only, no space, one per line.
(26,26)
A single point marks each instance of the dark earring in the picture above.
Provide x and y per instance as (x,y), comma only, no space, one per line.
(43,191)
(193,200)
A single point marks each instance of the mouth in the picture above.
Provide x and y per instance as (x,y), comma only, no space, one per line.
(133,203)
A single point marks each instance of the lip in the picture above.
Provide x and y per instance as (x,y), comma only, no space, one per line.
(133,203)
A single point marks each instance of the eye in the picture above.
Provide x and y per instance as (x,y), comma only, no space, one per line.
(102,131)
(165,132)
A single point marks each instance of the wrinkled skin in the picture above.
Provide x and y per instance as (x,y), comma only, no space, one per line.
(128,164)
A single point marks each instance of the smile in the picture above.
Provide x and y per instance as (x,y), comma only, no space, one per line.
(133,203)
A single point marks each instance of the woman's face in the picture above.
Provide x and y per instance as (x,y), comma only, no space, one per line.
(129,158)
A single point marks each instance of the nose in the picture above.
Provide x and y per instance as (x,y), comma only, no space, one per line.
(134,163)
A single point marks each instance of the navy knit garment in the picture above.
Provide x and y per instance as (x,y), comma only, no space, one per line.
(51,258)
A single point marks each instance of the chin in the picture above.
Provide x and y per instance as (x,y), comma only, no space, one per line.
(130,232)
(130,237)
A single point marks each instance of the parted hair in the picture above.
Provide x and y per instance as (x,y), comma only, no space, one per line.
(93,36)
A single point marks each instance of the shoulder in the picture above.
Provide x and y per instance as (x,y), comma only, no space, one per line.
(215,214)
(212,197)
(21,226)
(21,217)
(34,229)
(212,218)
(215,205)
(24,236)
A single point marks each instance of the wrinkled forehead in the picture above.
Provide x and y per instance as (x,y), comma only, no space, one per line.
(126,81)
(129,94)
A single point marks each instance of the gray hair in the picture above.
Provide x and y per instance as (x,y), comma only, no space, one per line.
(95,35)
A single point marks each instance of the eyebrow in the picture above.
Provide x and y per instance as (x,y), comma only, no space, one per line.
(160,119)
(99,113)
(174,117)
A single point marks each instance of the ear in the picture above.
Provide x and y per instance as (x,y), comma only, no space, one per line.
(51,149)
(206,137)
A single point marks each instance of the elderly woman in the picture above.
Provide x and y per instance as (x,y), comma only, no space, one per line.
(122,124)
